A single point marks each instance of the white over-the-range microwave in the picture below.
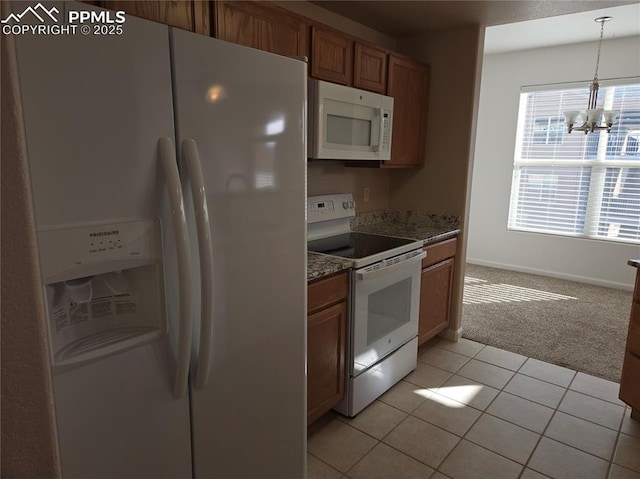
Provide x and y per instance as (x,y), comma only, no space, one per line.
(348,124)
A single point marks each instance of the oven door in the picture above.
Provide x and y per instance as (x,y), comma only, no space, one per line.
(385,309)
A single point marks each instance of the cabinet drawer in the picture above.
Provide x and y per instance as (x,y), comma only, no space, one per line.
(439,252)
(326,291)
(633,337)
(630,380)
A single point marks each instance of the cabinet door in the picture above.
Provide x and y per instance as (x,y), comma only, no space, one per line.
(630,382)
(262,26)
(435,299)
(188,15)
(409,86)
(326,342)
(370,68)
(331,56)
(633,336)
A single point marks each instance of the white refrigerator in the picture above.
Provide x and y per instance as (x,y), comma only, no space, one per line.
(168,175)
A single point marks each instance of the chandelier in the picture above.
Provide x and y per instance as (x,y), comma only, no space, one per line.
(591,116)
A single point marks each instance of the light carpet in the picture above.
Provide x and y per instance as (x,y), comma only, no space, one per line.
(575,325)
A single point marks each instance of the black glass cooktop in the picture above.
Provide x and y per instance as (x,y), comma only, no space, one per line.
(356,245)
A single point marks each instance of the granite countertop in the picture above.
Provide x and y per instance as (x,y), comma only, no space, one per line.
(319,265)
(419,225)
(634,262)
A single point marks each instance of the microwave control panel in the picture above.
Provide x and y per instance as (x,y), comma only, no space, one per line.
(386,130)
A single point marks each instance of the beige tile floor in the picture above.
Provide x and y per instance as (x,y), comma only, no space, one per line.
(474,411)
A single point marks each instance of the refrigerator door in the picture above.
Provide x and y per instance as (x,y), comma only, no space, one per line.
(245,110)
(94,108)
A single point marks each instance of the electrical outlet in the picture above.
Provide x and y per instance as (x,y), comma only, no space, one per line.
(365,194)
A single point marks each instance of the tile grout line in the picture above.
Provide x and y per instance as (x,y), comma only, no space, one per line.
(483,412)
(542,434)
(325,463)
(410,414)
(381,441)
(616,442)
(462,438)
(555,409)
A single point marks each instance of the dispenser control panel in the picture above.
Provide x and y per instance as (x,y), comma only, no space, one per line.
(64,251)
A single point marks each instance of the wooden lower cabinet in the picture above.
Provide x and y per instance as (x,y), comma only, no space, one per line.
(325,360)
(630,379)
(630,383)
(436,285)
(326,344)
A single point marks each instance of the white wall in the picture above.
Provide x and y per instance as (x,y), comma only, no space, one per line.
(490,243)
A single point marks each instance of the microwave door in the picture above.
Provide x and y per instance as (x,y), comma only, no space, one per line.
(349,131)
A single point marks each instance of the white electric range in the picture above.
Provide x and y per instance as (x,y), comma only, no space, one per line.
(384,298)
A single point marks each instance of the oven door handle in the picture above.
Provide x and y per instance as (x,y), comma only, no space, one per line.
(376,273)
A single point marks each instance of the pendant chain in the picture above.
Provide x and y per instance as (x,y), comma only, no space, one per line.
(595,77)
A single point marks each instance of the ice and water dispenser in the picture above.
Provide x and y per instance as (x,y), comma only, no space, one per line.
(104,288)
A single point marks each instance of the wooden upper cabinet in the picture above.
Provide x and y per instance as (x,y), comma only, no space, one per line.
(263,26)
(188,15)
(331,55)
(370,68)
(408,84)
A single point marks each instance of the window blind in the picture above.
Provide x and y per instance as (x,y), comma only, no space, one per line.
(583,185)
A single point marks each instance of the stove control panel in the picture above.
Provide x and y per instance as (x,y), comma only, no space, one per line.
(330,207)
(322,207)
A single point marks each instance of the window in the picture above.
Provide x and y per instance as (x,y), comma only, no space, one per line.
(548,130)
(576,184)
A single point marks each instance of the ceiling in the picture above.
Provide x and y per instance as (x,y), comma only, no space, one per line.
(406,18)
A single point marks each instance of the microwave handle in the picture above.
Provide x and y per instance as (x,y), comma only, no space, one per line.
(378,147)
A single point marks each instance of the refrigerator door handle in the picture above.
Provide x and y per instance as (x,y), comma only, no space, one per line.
(179,220)
(194,173)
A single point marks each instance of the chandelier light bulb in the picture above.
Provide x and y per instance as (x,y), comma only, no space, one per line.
(610,116)
(571,116)
(593,115)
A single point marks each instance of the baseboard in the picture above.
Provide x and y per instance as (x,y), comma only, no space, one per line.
(553,274)
(451,334)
